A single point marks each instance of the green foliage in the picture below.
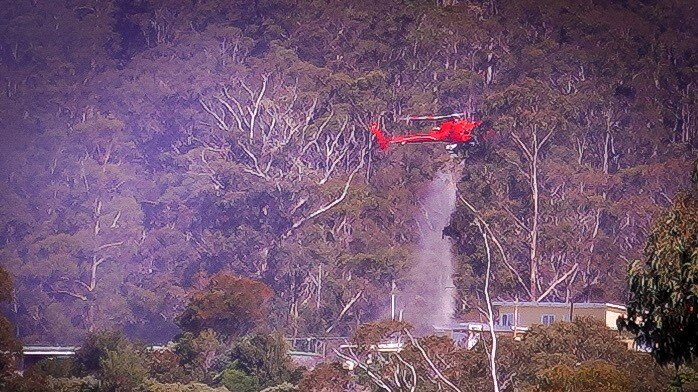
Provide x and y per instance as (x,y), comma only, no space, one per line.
(585,377)
(197,353)
(239,380)
(72,384)
(136,177)
(154,386)
(10,347)
(5,285)
(166,366)
(685,379)
(583,354)
(584,339)
(263,357)
(53,367)
(122,369)
(663,308)
(18,383)
(284,387)
(89,357)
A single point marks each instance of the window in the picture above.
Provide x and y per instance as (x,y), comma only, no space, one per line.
(547,319)
(506,320)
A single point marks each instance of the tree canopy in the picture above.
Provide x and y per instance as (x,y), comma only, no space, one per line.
(663,308)
(230,305)
(149,146)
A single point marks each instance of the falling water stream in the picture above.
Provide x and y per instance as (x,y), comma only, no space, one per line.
(427,296)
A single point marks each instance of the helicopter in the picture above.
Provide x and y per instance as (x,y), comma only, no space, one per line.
(456,131)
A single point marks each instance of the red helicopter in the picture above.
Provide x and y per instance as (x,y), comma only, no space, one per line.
(456,131)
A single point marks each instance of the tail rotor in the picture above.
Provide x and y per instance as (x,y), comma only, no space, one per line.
(381,139)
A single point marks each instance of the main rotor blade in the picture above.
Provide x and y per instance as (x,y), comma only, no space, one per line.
(430,118)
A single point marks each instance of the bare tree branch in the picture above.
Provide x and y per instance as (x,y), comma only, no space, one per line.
(412,370)
(329,205)
(110,245)
(505,260)
(220,120)
(490,315)
(70,293)
(433,367)
(256,171)
(557,282)
(525,149)
(365,368)
(345,309)
(254,111)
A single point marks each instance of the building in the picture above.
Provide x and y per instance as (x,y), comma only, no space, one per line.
(527,314)
(515,318)
(33,354)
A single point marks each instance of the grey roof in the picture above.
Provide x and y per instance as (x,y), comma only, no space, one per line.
(477,327)
(49,350)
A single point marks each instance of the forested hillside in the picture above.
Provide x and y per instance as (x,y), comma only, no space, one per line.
(150,147)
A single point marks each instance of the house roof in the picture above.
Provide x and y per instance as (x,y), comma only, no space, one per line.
(476,327)
(49,350)
(576,305)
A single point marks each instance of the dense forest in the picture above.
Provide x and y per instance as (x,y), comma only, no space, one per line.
(173,166)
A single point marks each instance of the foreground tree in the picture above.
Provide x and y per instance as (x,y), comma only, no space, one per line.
(9,346)
(589,376)
(117,362)
(260,360)
(566,355)
(583,355)
(123,369)
(153,386)
(326,377)
(663,308)
(95,348)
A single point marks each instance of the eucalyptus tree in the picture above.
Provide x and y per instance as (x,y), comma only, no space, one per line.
(663,306)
